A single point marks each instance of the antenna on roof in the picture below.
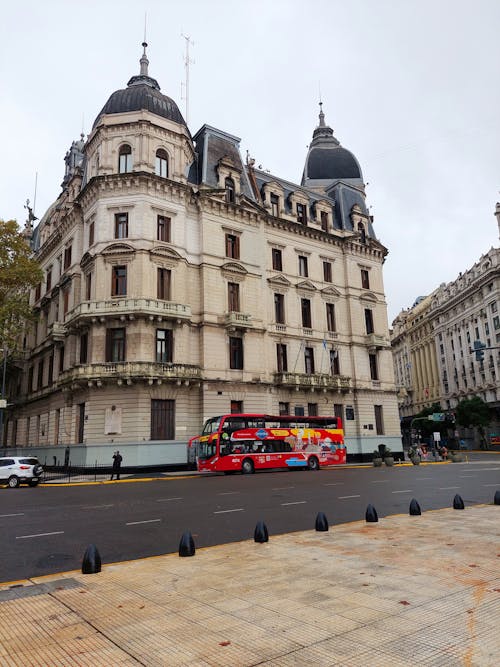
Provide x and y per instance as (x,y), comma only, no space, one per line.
(187,62)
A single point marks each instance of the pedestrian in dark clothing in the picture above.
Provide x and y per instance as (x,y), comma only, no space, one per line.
(117,461)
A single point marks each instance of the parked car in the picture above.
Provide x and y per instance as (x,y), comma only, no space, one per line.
(15,470)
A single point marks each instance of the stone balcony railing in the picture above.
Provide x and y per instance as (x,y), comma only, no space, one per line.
(127,307)
(377,342)
(315,381)
(237,320)
(127,372)
(56,332)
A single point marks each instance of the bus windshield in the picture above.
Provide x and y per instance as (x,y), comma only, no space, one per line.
(211,426)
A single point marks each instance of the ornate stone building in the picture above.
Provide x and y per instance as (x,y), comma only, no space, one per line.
(181,282)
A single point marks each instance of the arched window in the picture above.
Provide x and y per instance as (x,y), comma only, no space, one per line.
(361,230)
(125,160)
(161,168)
(230,192)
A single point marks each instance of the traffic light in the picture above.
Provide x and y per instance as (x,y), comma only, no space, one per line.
(478,348)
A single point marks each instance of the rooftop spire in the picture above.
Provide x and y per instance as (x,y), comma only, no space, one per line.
(144,61)
(321,115)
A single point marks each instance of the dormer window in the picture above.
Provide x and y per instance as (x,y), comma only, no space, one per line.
(301,213)
(161,168)
(125,159)
(361,230)
(324,220)
(275,205)
(230,190)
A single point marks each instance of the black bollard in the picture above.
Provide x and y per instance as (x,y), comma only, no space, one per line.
(321,522)
(496,499)
(415,508)
(186,545)
(261,535)
(371,514)
(91,563)
(458,503)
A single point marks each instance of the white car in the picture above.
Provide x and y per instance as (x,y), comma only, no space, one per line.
(15,470)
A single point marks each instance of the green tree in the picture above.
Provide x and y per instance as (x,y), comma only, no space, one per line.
(18,273)
(474,413)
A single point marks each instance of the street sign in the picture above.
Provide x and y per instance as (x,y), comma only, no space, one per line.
(438,416)
(3,403)
(437,436)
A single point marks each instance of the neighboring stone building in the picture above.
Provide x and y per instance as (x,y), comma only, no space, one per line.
(181,283)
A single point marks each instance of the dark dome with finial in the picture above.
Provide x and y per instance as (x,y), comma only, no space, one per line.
(326,159)
(142,92)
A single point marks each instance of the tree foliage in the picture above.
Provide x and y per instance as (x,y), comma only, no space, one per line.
(18,273)
(474,412)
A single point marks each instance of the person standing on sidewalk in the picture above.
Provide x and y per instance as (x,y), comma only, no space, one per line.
(117,462)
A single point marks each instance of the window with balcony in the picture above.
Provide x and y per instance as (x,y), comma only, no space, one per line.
(84,347)
(119,281)
(67,257)
(235,353)
(164,345)
(275,205)
(164,277)
(125,159)
(277,259)
(330,317)
(327,272)
(303,269)
(279,308)
(369,320)
(163,228)
(230,190)
(115,345)
(373,366)
(282,361)
(305,305)
(233,297)
(365,279)
(301,213)
(121,225)
(161,164)
(334,363)
(309,360)
(232,246)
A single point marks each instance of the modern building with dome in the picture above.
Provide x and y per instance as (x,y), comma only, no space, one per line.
(181,282)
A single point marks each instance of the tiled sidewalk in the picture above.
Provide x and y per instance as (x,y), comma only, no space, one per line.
(407,591)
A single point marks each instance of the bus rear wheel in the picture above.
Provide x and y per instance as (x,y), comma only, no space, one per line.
(247,467)
(313,463)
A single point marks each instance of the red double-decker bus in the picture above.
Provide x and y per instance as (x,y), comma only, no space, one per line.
(249,442)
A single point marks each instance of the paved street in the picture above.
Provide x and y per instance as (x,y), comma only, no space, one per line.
(47,529)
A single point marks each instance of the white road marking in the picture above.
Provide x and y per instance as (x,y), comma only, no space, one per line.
(423,478)
(445,488)
(25,537)
(96,507)
(464,476)
(297,502)
(228,493)
(404,491)
(135,523)
(282,488)
(20,514)
(345,497)
(380,481)
(166,500)
(239,509)
(333,484)
(492,485)
(484,469)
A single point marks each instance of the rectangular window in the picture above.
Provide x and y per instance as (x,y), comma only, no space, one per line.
(324,220)
(327,272)
(235,353)
(298,411)
(65,297)
(232,246)
(369,320)
(302,213)
(88,286)
(162,419)
(277,259)
(121,225)
(81,422)
(312,409)
(330,317)
(338,411)
(50,378)
(303,270)
(91,233)
(233,297)
(365,279)
(119,281)
(236,407)
(61,359)
(309,360)
(38,291)
(284,408)
(39,383)
(279,308)
(306,313)
(334,363)
(282,361)
(275,205)
(48,283)
(30,379)
(373,366)
(84,348)
(379,420)
(163,231)
(115,345)
(67,257)
(164,345)
(163,288)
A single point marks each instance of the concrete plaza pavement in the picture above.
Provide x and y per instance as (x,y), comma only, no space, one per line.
(406,591)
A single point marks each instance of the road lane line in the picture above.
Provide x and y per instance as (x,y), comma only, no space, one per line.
(333,484)
(166,500)
(228,493)
(297,502)
(96,507)
(485,469)
(464,476)
(492,485)
(282,488)
(345,497)
(239,509)
(379,481)
(135,523)
(404,491)
(445,488)
(25,537)
(19,514)
(424,478)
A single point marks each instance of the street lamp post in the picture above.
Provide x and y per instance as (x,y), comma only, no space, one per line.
(3,400)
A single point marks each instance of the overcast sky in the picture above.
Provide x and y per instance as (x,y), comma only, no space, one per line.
(411,87)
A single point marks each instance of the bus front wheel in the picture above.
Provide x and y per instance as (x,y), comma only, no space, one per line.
(247,467)
(313,463)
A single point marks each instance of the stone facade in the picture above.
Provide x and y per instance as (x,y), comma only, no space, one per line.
(182,282)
